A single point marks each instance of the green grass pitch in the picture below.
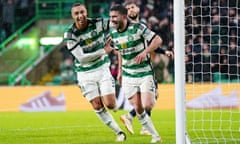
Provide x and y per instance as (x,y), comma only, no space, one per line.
(76,127)
(83,127)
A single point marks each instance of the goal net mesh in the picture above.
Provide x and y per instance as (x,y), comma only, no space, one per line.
(212,58)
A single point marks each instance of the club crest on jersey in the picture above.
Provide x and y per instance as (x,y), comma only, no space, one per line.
(130,38)
(93,33)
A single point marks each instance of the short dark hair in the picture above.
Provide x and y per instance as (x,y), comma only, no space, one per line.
(77,4)
(129,3)
(121,9)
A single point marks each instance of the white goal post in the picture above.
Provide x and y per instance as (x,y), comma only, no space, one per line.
(180,68)
(207,71)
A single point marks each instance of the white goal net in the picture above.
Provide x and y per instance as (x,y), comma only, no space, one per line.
(212,70)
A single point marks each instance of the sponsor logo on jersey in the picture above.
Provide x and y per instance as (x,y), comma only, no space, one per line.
(130,38)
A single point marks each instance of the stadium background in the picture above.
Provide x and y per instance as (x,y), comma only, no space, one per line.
(32,53)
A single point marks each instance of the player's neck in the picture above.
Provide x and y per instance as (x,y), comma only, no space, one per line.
(136,20)
(124,26)
(82,26)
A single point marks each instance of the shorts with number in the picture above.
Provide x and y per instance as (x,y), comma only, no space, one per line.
(98,82)
(133,85)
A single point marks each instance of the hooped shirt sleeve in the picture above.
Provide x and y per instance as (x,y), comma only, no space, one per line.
(105,24)
(70,41)
(146,33)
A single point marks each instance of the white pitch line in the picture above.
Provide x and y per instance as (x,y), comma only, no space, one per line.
(47,128)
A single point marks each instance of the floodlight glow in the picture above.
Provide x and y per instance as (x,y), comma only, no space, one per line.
(26,43)
(50,40)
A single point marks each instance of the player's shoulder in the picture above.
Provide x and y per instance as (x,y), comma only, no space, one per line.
(68,31)
(69,28)
(112,30)
(95,20)
(143,23)
(138,25)
(99,22)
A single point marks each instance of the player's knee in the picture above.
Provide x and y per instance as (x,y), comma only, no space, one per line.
(139,110)
(97,107)
(97,104)
(111,105)
(148,106)
(109,101)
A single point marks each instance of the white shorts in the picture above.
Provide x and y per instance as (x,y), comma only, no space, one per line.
(133,85)
(96,83)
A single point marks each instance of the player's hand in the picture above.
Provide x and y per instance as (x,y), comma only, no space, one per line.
(140,57)
(109,40)
(169,54)
(108,49)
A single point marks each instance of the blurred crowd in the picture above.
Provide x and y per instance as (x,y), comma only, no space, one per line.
(14,14)
(212,40)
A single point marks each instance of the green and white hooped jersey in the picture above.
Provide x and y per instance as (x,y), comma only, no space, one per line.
(87,45)
(130,43)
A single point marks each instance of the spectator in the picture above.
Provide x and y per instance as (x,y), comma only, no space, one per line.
(189,63)
(224,63)
(158,68)
(8,16)
(233,56)
(23,7)
(206,64)
(2,33)
(67,73)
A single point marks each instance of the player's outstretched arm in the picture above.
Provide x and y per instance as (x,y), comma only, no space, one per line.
(155,43)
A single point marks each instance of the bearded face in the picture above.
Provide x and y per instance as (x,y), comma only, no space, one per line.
(116,20)
(133,11)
